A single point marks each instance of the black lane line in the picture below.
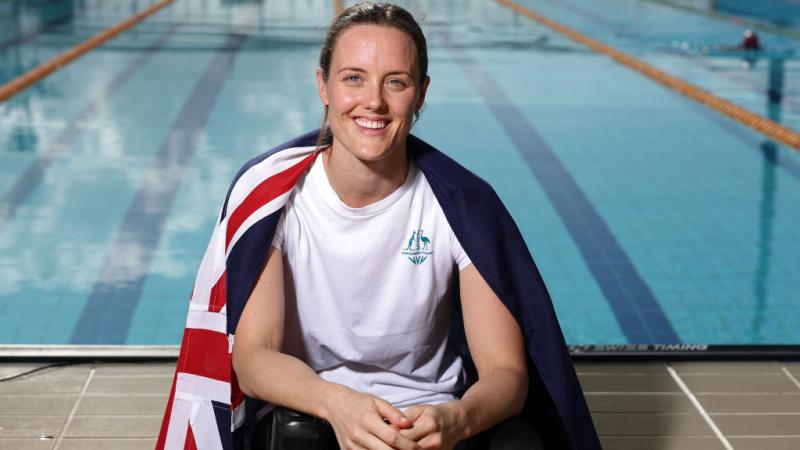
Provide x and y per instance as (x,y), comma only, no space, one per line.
(639,314)
(106,318)
(34,174)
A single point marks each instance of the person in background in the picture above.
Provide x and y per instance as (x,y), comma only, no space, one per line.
(750,41)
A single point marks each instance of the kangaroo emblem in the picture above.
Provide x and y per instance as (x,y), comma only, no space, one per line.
(411,241)
(418,248)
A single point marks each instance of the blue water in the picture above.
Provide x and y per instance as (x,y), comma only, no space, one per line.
(695,47)
(651,218)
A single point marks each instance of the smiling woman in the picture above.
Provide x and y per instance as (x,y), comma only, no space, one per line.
(371,90)
(380,287)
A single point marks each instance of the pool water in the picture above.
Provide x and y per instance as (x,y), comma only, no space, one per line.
(651,218)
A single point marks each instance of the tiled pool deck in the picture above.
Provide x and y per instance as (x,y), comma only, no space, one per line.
(636,405)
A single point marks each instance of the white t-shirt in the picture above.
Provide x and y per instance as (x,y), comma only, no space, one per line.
(369,291)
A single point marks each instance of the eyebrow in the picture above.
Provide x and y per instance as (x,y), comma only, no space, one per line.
(358,69)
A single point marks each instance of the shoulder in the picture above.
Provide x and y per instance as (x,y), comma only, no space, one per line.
(262,166)
(477,216)
(449,179)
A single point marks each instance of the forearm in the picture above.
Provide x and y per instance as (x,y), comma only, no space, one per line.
(285,380)
(356,418)
(495,397)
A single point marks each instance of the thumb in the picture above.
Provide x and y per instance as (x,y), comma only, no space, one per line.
(393,415)
(413,412)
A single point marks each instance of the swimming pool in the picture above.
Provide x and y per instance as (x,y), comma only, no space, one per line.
(651,218)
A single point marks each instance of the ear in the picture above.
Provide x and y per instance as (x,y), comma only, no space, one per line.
(423,91)
(323,87)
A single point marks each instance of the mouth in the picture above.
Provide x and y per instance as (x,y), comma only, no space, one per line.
(371,126)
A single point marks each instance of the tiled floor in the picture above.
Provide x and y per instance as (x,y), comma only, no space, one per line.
(84,406)
(645,405)
(711,405)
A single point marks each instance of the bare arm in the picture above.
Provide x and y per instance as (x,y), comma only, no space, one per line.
(256,349)
(266,373)
(497,348)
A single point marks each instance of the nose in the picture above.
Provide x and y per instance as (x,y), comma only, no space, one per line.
(374,97)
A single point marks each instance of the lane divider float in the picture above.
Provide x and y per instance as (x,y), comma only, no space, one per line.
(767,127)
(738,20)
(36,74)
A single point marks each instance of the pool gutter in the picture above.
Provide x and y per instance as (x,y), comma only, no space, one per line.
(666,352)
(88,352)
(607,352)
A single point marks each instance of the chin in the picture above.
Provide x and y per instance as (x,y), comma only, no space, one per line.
(372,154)
(370,150)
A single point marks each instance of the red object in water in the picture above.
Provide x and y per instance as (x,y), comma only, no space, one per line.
(750,41)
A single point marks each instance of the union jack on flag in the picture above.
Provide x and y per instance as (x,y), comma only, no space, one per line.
(205,405)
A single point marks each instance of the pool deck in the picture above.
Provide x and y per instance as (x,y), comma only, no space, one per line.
(636,405)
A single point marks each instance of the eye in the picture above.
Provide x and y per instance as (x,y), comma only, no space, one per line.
(397,83)
(352,79)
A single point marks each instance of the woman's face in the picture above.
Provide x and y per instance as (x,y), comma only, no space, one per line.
(372,91)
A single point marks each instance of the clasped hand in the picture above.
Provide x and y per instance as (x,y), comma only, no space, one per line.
(359,424)
(433,427)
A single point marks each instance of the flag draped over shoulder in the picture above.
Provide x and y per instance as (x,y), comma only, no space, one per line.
(206,408)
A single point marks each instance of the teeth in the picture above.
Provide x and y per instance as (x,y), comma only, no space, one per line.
(375,125)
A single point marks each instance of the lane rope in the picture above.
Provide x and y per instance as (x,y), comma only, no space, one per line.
(767,127)
(730,18)
(41,71)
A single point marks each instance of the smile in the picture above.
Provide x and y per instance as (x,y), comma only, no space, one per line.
(371,124)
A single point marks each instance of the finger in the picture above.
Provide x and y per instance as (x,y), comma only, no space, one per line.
(394,415)
(368,441)
(431,441)
(423,426)
(354,446)
(413,412)
(390,435)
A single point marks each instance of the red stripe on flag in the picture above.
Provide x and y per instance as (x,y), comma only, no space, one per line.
(264,193)
(203,353)
(206,354)
(190,444)
(218,295)
(237,396)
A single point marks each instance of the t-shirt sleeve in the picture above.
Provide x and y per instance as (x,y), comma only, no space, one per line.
(459,255)
(277,239)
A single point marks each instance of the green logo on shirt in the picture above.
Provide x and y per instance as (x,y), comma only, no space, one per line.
(418,248)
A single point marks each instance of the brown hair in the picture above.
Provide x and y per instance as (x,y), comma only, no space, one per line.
(370,13)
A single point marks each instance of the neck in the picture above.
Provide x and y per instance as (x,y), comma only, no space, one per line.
(360,183)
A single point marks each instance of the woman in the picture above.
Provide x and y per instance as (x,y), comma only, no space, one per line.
(349,319)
